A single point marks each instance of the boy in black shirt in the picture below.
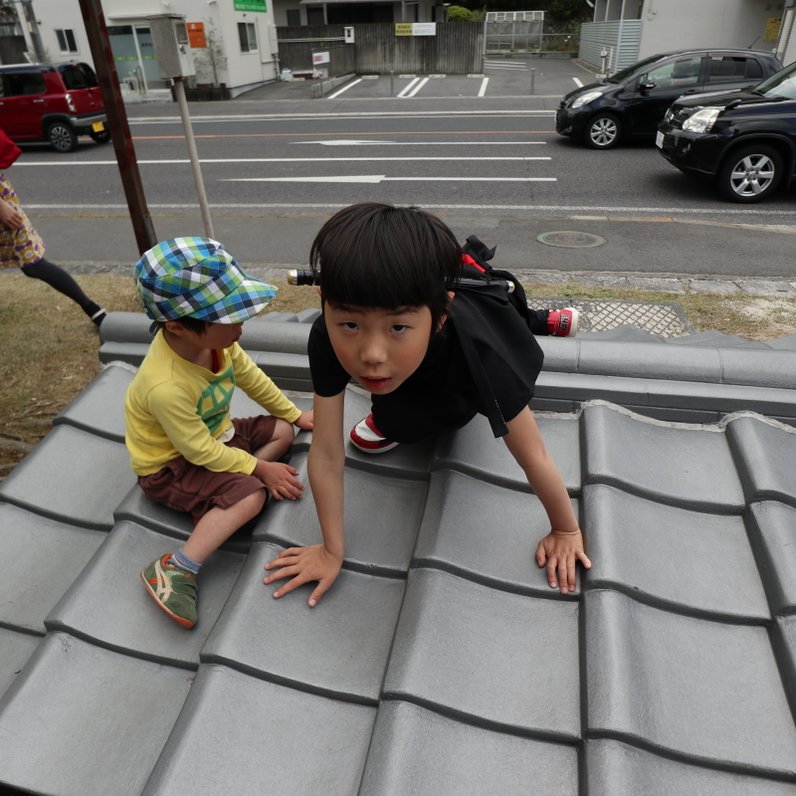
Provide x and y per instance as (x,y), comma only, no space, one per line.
(433,353)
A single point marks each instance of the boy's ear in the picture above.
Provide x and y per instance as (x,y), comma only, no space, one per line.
(444,317)
(174,327)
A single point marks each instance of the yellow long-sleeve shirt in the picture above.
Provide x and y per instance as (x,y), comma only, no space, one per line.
(175,407)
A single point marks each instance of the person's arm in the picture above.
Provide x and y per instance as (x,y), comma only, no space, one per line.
(326,462)
(562,548)
(259,387)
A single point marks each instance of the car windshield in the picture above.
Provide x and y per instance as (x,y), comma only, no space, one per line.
(634,71)
(782,84)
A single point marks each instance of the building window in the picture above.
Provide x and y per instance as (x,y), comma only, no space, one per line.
(248,37)
(293,17)
(66,40)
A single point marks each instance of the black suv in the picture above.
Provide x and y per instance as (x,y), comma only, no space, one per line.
(631,103)
(745,139)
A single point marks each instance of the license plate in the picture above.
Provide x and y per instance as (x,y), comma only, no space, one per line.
(659,140)
(98,127)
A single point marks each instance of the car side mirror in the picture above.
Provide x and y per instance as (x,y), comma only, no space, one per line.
(646,85)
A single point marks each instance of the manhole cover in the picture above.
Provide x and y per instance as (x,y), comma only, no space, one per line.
(570,240)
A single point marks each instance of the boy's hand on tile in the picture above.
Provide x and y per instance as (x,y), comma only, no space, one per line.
(304,565)
(280,480)
(560,551)
(305,421)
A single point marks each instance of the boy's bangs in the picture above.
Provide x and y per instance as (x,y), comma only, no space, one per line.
(388,283)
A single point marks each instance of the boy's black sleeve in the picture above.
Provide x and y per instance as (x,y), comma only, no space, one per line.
(328,375)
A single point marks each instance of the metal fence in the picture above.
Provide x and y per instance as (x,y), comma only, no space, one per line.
(620,40)
(456,49)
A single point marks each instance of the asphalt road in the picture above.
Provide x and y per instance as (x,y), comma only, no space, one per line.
(480,150)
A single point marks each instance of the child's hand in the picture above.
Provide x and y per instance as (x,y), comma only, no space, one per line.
(560,550)
(10,215)
(304,565)
(305,421)
(280,480)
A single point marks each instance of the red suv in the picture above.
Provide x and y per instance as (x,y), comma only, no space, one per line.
(52,102)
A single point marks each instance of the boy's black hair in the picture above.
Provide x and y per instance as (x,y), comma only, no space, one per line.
(196,325)
(381,256)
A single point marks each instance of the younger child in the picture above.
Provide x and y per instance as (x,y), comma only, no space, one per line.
(433,352)
(187,452)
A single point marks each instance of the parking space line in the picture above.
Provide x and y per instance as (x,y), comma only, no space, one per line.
(345,88)
(578,82)
(484,84)
(412,89)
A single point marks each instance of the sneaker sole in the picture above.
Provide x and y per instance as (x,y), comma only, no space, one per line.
(186,623)
(379,449)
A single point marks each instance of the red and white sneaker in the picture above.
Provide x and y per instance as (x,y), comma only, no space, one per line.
(367,438)
(563,323)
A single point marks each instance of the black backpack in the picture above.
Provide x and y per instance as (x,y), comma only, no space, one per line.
(476,270)
(487,299)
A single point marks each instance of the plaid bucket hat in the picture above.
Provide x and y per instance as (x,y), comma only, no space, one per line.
(198,278)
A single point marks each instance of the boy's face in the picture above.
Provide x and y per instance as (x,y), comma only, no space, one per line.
(216,335)
(379,348)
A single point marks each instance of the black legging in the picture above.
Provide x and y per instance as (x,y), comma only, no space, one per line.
(60,280)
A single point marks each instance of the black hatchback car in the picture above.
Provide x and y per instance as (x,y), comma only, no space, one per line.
(632,102)
(745,139)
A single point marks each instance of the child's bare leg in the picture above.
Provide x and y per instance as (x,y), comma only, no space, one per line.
(215,527)
(279,444)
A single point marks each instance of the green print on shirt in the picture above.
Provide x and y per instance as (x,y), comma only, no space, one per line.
(215,399)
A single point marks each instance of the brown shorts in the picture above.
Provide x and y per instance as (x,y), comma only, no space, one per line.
(183,486)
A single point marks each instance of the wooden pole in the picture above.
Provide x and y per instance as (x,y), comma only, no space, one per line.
(97,31)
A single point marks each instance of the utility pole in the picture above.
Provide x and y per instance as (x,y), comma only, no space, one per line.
(97,31)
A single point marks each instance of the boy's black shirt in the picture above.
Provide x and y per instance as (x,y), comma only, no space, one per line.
(484,360)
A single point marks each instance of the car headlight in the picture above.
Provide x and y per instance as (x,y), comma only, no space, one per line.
(702,121)
(583,99)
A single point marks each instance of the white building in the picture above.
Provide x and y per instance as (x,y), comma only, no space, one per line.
(630,30)
(233,41)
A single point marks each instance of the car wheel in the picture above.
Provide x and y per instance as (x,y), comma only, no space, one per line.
(750,174)
(61,137)
(603,131)
(102,137)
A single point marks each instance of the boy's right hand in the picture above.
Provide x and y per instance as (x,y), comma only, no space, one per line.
(280,480)
(304,565)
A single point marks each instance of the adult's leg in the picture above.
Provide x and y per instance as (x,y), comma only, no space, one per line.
(537,321)
(63,282)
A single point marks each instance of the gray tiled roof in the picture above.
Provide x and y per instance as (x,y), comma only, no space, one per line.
(440,662)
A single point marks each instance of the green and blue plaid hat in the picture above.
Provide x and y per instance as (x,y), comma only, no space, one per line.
(198,278)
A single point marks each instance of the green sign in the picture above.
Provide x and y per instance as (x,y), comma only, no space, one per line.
(250,5)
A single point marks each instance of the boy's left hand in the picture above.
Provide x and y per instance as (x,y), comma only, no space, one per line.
(305,421)
(560,551)
(280,480)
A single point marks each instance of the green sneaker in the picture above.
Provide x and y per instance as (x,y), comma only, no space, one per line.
(172,589)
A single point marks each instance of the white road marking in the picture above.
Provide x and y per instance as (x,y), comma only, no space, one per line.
(409,91)
(578,82)
(344,142)
(183,161)
(376,178)
(283,117)
(484,84)
(345,88)
(570,210)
